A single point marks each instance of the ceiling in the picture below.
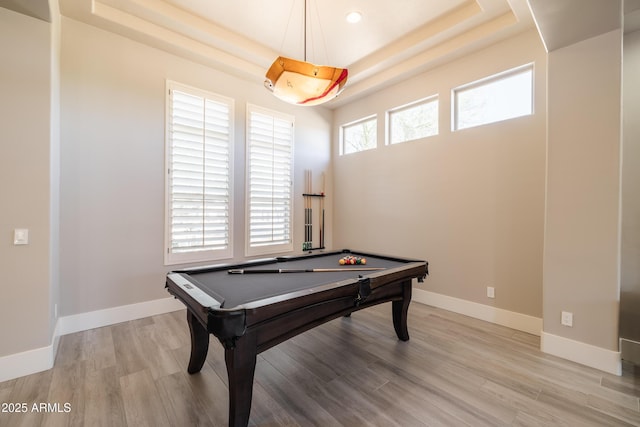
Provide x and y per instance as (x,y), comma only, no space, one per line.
(394,41)
(560,26)
(35,8)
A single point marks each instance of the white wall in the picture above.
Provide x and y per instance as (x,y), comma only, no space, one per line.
(630,278)
(54,176)
(25,162)
(112,162)
(470,202)
(582,233)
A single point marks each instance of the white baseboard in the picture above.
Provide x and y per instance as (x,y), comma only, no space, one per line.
(26,363)
(40,359)
(579,352)
(576,351)
(511,319)
(111,316)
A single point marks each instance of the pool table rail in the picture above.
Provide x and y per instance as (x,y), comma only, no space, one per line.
(252,327)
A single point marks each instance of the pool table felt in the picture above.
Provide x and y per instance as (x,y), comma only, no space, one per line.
(238,289)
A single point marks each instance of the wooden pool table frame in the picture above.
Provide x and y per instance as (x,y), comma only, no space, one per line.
(252,328)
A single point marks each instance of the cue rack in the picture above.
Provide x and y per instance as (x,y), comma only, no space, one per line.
(312,201)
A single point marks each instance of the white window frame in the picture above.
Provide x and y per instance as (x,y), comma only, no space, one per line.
(267,248)
(198,254)
(354,123)
(399,110)
(455,119)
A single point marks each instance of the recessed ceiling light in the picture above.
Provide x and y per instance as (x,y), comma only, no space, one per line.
(354,17)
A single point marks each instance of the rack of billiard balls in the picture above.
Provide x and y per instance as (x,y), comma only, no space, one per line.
(352,260)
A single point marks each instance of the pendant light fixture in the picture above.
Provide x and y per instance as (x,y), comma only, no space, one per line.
(304,83)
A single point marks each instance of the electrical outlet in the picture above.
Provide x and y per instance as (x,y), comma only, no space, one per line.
(567,318)
(491,292)
(21,236)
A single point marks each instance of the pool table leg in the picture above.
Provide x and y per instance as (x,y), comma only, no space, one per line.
(241,366)
(400,310)
(199,343)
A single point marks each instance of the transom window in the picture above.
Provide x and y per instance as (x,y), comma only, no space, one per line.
(359,135)
(500,97)
(413,121)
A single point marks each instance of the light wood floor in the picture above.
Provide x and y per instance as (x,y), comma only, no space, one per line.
(455,371)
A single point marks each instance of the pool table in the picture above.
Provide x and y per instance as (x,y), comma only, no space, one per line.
(253,306)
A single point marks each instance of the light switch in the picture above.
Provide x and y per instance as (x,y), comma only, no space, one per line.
(21,236)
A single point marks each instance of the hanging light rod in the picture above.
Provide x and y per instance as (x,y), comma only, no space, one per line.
(301,82)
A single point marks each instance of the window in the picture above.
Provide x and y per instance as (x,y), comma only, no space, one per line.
(359,136)
(198,183)
(413,121)
(269,178)
(500,97)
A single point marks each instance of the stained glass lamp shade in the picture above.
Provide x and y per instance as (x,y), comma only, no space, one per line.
(303,83)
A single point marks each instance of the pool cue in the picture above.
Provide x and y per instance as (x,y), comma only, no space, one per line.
(310,210)
(300,270)
(307,202)
(321,220)
(322,231)
(304,245)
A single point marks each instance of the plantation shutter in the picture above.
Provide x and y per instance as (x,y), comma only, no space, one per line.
(270,158)
(199,184)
